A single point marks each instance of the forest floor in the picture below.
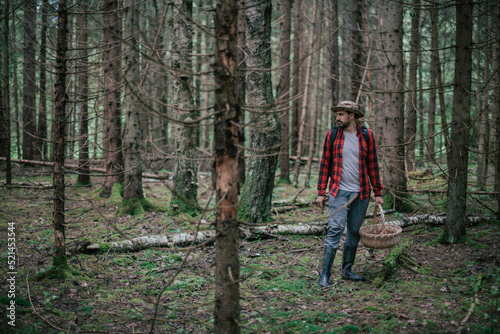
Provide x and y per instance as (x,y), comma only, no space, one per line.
(442,289)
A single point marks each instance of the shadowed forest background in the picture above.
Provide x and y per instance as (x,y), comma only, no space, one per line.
(159,163)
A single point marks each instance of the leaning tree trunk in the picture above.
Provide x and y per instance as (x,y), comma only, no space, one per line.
(60,262)
(133,195)
(5,133)
(29,90)
(393,151)
(185,189)
(83,95)
(227,110)
(112,136)
(255,204)
(454,229)
(358,56)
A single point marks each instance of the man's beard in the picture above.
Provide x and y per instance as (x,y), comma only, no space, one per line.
(342,124)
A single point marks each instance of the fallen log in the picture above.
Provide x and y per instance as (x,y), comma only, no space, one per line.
(246,233)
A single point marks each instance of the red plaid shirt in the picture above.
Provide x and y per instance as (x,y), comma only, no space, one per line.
(368,164)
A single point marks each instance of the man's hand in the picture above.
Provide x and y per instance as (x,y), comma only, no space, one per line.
(379,200)
(321,202)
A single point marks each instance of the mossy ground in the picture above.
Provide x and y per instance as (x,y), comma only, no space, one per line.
(118,292)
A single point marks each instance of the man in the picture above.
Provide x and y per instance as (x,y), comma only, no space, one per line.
(348,160)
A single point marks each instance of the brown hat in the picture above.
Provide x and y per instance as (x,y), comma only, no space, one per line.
(349,106)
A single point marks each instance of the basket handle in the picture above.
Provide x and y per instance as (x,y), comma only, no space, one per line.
(377,207)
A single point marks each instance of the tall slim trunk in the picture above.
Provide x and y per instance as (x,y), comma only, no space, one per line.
(454,229)
(439,78)
(29,78)
(59,259)
(112,97)
(132,187)
(227,264)
(83,95)
(305,101)
(241,94)
(334,56)
(256,195)
(185,189)
(484,118)
(317,31)
(431,125)
(411,98)
(5,137)
(298,38)
(283,91)
(495,107)
(393,142)
(42,105)
(358,56)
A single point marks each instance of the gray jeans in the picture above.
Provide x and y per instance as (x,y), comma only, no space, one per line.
(353,215)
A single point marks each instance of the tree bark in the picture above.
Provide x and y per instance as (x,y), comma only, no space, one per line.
(305,100)
(283,92)
(5,132)
(411,98)
(132,187)
(185,188)
(112,136)
(29,78)
(241,94)
(226,134)
(42,106)
(299,37)
(496,105)
(255,204)
(393,146)
(59,259)
(334,57)
(358,55)
(454,229)
(83,96)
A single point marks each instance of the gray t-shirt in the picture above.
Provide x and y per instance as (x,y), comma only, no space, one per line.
(349,180)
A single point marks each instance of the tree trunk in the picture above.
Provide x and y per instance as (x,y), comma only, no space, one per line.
(42,106)
(299,33)
(358,55)
(241,93)
(227,263)
(185,187)
(411,101)
(439,77)
(83,96)
(496,105)
(334,57)
(132,188)
(283,92)
(454,229)
(431,125)
(59,261)
(317,31)
(112,100)
(255,205)
(29,90)
(5,132)
(393,145)
(305,101)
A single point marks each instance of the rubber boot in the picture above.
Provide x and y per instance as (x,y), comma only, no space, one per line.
(328,257)
(348,257)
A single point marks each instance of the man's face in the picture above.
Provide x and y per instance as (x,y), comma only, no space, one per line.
(344,118)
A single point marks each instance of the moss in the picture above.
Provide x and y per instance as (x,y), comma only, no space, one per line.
(59,270)
(83,184)
(181,206)
(282,181)
(135,207)
(116,193)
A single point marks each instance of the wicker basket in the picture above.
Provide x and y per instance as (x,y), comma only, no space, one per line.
(380,236)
